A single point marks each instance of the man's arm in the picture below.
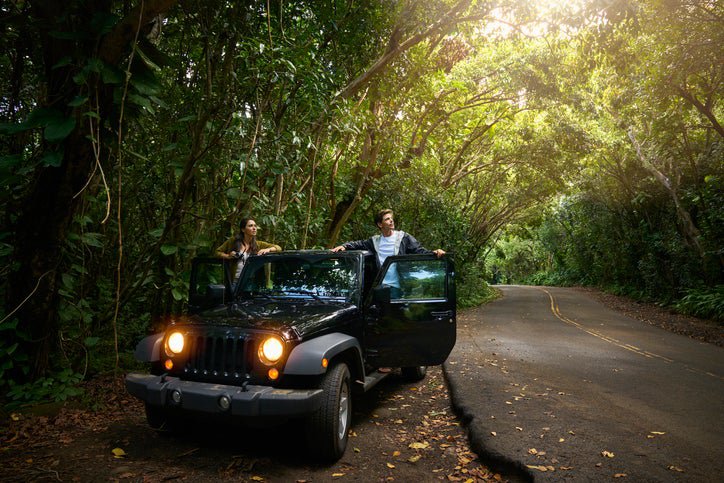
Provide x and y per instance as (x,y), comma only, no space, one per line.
(355,245)
(412,246)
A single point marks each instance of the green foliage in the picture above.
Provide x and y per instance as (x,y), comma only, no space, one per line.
(239,109)
(58,387)
(704,302)
(12,356)
(556,279)
(474,291)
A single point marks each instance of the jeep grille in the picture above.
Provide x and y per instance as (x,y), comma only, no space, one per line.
(219,356)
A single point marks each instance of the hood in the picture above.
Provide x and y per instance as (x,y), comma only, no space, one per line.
(303,317)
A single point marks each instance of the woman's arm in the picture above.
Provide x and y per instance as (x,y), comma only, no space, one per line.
(225,250)
(265,247)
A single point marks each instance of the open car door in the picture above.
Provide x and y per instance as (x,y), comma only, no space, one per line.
(411,317)
(210,284)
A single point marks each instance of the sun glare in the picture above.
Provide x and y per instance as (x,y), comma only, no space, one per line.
(546,16)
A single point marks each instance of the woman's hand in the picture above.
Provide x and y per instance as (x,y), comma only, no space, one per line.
(264,251)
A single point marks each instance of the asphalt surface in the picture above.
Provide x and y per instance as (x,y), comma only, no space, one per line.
(554,386)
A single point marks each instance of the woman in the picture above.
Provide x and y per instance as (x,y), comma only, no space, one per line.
(243,245)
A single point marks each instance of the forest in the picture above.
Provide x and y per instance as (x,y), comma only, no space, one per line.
(548,142)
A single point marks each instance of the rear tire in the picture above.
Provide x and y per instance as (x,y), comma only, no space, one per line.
(328,428)
(414,374)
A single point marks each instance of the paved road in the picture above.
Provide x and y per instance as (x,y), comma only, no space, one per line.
(557,386)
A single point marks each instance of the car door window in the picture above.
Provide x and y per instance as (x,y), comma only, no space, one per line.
(208,277)
(417,280)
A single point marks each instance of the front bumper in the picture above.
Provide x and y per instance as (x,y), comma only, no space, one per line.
(204,397)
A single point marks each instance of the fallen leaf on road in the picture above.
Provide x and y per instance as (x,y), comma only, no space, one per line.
(541,468)
(395,453)
(565,468)
(118,453)
(257,478)
(357,450)
(390,465)
(519,428)
(561,440)
(422,445)
(337,475)
(607,454)
(620,475)
(414,459)
(533,451)
(657,432)
(493,433)
(676,468)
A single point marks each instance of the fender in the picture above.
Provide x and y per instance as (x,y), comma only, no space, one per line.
(306,358)
(149,349)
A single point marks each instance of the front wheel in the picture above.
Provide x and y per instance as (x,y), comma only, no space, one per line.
(414,374)
(328,427)
(160,419)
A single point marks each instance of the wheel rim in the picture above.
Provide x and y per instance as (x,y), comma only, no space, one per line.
(343,411)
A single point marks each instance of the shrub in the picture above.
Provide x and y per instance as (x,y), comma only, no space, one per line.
(704,302)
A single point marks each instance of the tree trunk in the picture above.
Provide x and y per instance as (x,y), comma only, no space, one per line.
(43,225)
(690,231)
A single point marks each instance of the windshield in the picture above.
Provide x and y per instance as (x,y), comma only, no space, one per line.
(294,277)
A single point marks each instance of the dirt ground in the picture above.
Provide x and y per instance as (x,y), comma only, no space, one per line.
(401,432)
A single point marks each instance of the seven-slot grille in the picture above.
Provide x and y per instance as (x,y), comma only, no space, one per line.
(220,355)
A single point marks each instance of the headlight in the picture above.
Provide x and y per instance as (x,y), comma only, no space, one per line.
(175,343)
(271,350)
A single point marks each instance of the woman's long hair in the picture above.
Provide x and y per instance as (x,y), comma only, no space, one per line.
(239,241)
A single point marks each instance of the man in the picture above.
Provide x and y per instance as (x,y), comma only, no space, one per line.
(389,242)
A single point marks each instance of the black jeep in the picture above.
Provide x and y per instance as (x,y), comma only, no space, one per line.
(295,337)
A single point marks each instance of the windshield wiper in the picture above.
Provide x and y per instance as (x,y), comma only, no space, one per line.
(306,292)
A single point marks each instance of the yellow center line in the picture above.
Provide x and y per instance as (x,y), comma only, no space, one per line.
(556,311)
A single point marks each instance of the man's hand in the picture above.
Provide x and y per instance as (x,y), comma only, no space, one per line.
(439,252)
(340,248)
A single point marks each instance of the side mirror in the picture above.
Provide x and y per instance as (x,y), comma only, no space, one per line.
(382,295)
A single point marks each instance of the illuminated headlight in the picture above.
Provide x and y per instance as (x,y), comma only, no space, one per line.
(175,343)
(271,350)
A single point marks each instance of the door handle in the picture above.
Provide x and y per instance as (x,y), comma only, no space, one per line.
(441,314)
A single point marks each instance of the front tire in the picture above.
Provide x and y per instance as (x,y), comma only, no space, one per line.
(328,428)
(160,419)
(414,374)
